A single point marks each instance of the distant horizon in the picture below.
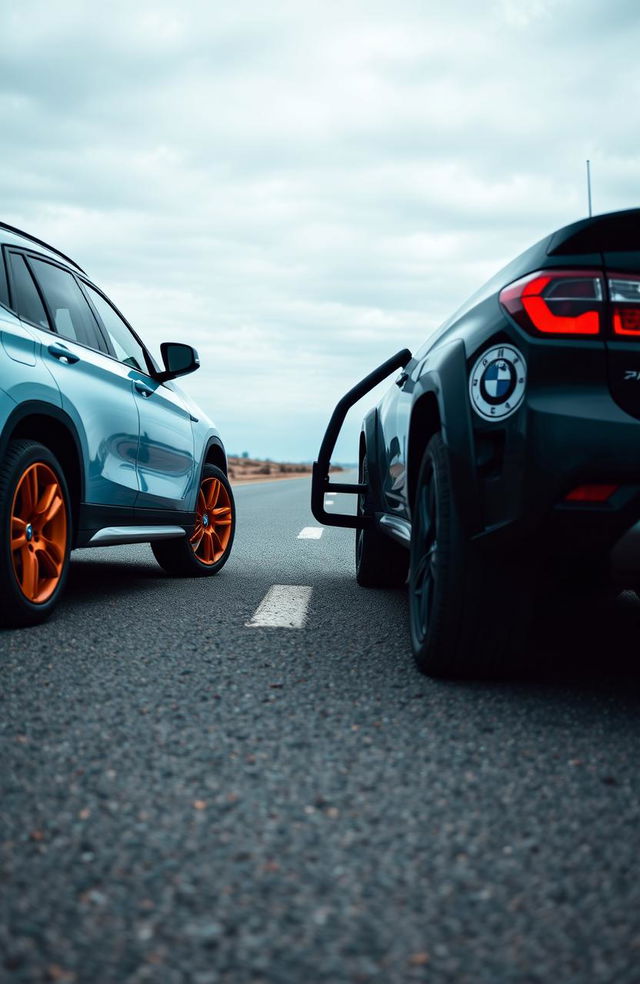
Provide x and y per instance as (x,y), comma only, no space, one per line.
(282,461)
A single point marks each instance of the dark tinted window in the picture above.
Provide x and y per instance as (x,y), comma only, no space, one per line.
(4,287)
(71,314)
(126,346)
(26,300)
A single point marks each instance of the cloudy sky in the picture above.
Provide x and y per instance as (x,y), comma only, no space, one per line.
(301,188)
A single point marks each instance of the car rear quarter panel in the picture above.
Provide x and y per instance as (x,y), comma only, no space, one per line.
(23,376)
(7,406)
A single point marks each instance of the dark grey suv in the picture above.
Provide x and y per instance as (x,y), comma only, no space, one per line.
(501,470)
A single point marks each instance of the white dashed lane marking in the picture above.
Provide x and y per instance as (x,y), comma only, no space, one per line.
(284,606)
(310,533)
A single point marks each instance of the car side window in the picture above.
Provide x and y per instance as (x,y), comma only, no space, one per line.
(128,349)
(71,314)
(26,299)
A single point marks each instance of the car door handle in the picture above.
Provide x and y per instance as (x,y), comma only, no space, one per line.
(402,378)
(63,354)
(143,389)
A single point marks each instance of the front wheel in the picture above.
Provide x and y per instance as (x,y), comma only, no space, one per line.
(468,610)
(35,518)
(207,550)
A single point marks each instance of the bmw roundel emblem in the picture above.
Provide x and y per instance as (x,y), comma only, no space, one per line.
(497,382)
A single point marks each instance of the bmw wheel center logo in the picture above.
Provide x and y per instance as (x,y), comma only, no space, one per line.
(497,382)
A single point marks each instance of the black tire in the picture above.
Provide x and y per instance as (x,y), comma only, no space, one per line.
(35,565)
(380,562)
(185,557)
(468,610)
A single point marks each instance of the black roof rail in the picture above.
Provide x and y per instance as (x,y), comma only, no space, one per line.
(41,242)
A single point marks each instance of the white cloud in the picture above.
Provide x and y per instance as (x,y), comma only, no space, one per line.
(522,13)
(302,189)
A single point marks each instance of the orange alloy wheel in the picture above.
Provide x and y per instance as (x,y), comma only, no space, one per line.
(38,532)
(212,531)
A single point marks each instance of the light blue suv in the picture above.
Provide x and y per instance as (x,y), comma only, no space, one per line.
(98,445)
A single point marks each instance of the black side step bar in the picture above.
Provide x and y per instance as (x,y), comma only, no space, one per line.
(320,479)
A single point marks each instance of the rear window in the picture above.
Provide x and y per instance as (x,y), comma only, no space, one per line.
(26,299)
(4,286)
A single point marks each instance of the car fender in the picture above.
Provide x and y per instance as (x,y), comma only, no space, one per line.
(444,374)
(208,447)
(33,408)
(214,449)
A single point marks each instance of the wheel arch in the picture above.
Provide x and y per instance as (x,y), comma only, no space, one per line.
(215,454)
(52,427)
(443,387)
(425,421)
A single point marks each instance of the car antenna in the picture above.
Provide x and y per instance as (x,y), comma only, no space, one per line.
(589,186)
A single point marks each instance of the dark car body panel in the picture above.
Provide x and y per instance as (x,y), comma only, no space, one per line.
(577,422)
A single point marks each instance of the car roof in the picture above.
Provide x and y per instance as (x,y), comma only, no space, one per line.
(609,232)
(11,236)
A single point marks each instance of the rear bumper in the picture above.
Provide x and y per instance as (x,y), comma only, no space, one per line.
(563,440)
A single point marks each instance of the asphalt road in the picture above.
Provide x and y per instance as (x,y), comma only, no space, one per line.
(188,799)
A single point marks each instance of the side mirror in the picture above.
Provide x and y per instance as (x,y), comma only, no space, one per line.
(179,359)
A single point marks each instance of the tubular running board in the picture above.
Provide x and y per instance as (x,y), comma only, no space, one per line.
(320,482)
(396,527)
(111,535)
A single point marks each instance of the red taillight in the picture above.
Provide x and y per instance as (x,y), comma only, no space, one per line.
(624,294)
(591,493)
(557,302)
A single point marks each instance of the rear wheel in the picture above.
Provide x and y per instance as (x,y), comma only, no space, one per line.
(380,562)
(467,610)
(35,518)
(207,550)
